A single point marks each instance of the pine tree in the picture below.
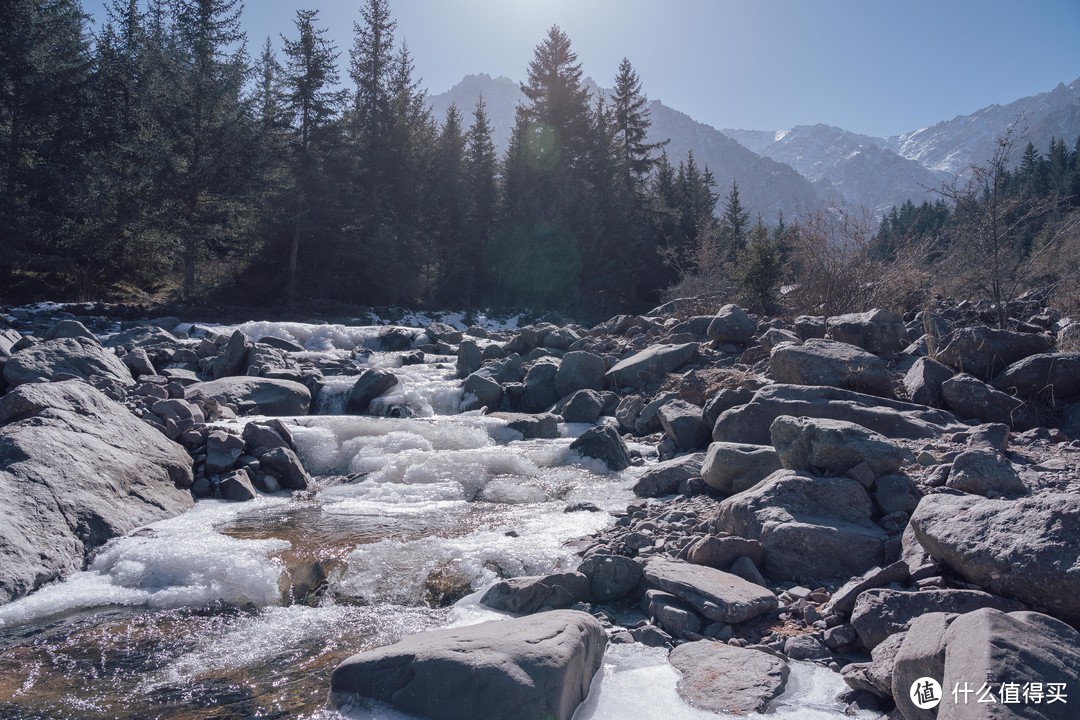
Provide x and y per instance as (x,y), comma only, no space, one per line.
(44,80)
(482,199)
(312,103)
(447,219)
(210,127)
(558,106)
(734,223)
(635,159)
(759,271)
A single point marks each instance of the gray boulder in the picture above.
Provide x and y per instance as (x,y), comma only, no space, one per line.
(603,443)
(233,360)
(370,384)
(648,419)
(540,393)
(665,477)
(971,398)
(751,423)
(734,467)
(985,472)
(583,406)
(722,552)
(265,395)
(138,362)
(283,464)
(1047,377)
(717,595)
(923,382)
(64,359)
(540,426)
(811,527)
(580,370)
(650,366)
(683,423)
(529,594)
(69,329)
(142,336)
(77,469)
(536,667)
(731,325)
(830,363)
(881,612)
(481,391)
(1028,549)
(261,437)
(611,577)
(236,486)
(823,446)
(469,358)
(984,352)
(989,646)
(671,614)
(726,679)
(223,449)
(877,331)
(843,600)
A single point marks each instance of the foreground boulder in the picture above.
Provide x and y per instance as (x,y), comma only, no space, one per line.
(727,679)
(77,469)
(532,668)
(750,423)
(64,359)
(1028,549)
(811,527)
(1016,648)
(265,396)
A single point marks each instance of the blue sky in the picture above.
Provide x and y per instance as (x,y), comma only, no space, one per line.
(869,66)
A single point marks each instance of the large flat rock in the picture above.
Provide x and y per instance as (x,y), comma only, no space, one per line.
(727,679)
(650,365)
(532,668)
(719,596)
(77,469)
(1028,549)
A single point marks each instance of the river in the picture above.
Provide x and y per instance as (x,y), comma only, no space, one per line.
(241,610)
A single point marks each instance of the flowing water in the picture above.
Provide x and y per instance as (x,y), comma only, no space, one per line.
(241,610)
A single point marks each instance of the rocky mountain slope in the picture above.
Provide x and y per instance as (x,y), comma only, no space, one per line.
(809,166)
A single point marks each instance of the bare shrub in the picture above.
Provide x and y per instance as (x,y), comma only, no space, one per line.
(833,268)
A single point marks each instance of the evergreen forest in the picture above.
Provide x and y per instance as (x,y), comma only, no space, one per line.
(161,156)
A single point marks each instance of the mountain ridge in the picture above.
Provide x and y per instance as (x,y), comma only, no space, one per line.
(808,167)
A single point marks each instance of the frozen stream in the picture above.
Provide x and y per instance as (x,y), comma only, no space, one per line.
(242,610)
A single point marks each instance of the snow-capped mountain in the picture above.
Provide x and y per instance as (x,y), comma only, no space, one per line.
(954,145)
(858,171)
(806,167)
